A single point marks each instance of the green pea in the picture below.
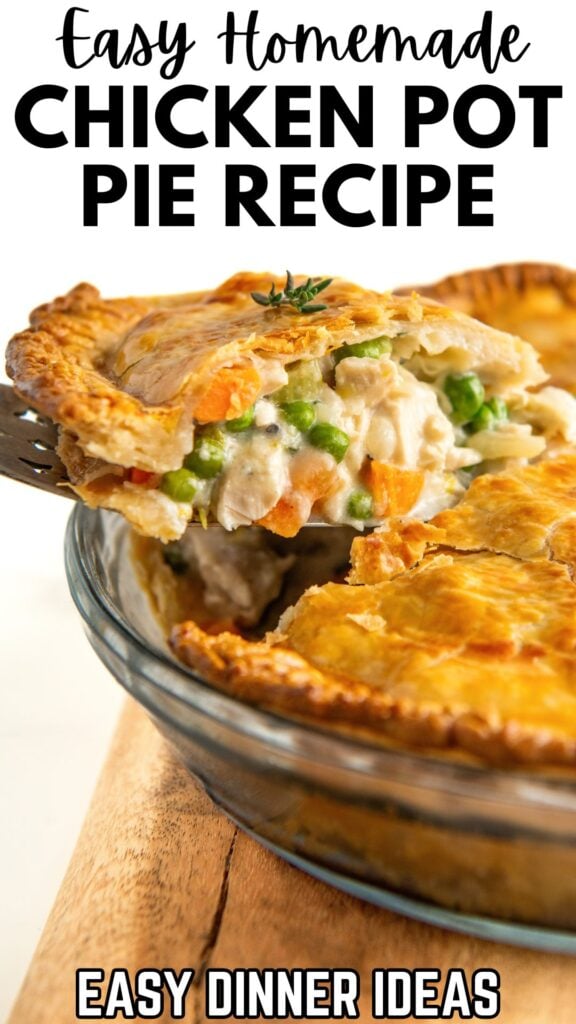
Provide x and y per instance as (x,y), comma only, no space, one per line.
(375,348)
(179,484)
(498,407)
(299,414)
(241,423)
(330,439)
(360,505)
(489,414)
(483,420)
(207,458)
(466,394)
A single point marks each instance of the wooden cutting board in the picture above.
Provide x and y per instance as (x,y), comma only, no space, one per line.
(160,878)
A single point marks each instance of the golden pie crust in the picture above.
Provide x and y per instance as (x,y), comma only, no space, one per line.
(463,638)
(534,300)
(126,378)
(123,375)
(528,513)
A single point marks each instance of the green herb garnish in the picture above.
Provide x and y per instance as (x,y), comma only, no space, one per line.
(298,297)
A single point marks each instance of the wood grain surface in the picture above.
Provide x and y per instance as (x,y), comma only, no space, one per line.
(160,878)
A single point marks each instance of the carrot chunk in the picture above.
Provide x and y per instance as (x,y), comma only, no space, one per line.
(142,477)
(312,478)
(288,515)
(395,491)
(231,391)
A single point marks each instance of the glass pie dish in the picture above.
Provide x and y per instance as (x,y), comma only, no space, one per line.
(476,849)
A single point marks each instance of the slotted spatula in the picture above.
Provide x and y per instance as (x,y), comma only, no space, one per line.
(28,446)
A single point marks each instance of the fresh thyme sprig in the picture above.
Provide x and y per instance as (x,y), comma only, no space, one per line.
(298,297)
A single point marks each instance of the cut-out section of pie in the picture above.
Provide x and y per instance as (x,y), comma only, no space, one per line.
(459,635)
(208,406)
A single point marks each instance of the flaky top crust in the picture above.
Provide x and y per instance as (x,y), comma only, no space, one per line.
(528,513)
(57,365)
(461,634)
(123,376)
(534,300)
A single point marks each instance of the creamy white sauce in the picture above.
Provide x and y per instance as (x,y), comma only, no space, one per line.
(253,483)
(389,415)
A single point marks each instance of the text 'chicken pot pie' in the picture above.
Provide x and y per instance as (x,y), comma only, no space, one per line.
(249,405)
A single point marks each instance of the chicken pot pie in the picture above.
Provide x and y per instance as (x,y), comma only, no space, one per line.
(460,634)
(535,300)
(214,407)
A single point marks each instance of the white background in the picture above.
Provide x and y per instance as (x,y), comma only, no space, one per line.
(58,704)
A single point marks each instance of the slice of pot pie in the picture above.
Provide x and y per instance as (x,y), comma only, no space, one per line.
(535,300)
(460,635)
(249,405)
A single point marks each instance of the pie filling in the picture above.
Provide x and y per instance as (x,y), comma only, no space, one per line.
(372,430)
(241,581)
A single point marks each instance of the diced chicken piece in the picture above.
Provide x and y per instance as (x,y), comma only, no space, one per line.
(458,458)
(265,413)
(255,481)
(241,574)
(381,440)
(409,428)
(312,479)
(553,409)
(272,374)
(369,379)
